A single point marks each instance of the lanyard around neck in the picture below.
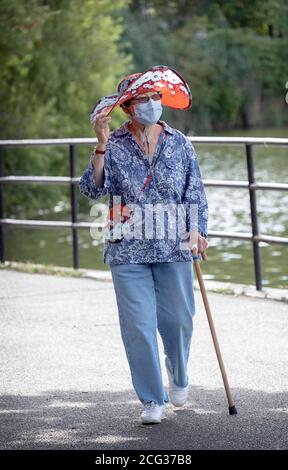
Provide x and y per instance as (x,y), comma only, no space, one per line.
(151,166)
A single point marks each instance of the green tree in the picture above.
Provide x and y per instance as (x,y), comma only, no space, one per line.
(58,58)
(232,54)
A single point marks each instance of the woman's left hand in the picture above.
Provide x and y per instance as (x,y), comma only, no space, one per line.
(202,244)
(197,239)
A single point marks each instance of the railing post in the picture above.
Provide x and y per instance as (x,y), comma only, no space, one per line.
(2,255)
(254,217)
(73,200)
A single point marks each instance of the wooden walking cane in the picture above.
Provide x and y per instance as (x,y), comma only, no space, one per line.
(196,259)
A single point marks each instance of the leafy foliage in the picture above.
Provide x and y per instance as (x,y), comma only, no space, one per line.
(59,56)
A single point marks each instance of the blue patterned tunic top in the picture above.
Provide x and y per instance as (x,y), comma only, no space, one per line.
(176,182)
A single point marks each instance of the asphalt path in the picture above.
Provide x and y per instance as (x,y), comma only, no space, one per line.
(65,381)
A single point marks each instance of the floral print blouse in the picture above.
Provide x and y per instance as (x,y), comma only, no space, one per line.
(174,182)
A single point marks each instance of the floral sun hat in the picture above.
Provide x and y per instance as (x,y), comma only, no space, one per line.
(175,91)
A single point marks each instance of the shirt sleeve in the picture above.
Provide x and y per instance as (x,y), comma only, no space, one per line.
(87,184)
(194,199)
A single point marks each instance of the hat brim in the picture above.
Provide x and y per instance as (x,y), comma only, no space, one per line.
(176,93)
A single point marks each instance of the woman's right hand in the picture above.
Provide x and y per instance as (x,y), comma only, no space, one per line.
(101,127)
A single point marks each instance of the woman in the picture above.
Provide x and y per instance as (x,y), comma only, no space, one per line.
(150,172)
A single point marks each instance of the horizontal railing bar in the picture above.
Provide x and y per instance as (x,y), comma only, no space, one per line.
(49,223)
(31,142)
(277,186)
(193,139)
(64,224)
(39,179)
(240,140)
(271,239)
(225,183)
(235,235)
(245,184)
(68,180)
(248,236)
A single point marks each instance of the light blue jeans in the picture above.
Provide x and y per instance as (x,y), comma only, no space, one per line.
(151,296)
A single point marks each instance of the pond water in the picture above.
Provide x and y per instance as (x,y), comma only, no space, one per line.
(229,210)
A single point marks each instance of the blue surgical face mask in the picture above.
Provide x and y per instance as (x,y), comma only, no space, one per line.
(148,113)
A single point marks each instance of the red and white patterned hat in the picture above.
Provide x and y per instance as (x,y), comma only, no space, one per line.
(175,91)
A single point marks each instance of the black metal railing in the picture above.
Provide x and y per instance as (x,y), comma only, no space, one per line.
(255,237)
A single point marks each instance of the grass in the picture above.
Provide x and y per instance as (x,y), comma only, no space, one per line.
(41,268)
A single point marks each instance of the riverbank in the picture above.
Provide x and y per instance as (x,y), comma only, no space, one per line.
(231,288)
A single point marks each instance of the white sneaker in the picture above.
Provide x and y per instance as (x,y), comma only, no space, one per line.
(152,413)
(178,395)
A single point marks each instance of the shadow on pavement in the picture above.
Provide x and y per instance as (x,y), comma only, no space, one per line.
(105,420)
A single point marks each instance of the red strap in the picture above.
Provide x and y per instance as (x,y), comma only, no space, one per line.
(147,181)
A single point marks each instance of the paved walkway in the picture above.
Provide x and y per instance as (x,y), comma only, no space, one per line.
(65,382)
